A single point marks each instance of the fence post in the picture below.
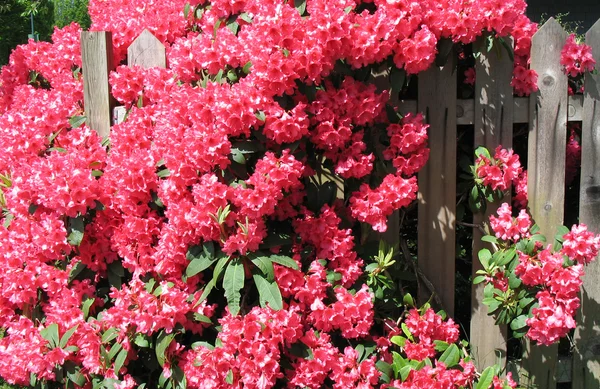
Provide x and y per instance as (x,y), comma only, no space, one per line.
(97,62)
(586,358)
(146,51)
(546,170)
(437,184)
(493,126)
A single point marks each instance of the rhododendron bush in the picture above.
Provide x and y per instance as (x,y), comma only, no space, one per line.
(204,243)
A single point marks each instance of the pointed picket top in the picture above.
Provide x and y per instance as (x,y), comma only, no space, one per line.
(586,358)
(147,51)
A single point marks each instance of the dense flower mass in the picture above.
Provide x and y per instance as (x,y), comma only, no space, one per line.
(206,243)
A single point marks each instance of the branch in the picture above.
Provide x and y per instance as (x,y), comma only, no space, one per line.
(419,273)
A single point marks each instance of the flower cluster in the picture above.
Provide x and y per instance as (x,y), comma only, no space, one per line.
(539,298)
(498,172)
(576,58)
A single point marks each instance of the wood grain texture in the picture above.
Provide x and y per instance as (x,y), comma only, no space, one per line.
(465,109)
(586,359)
(546,169)
(493,126)
(96,56)
(146,51)
(437,184)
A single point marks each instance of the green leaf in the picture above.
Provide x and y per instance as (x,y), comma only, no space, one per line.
(233,282)
(114,350)
(201,257)
(238,156)
(76,270)
(440,345)
(120,360)
(398,340)
(284,261)
(408,300)
(245,17)
(202,318)
(229,377)
(484,257)
(162,343)
(76,227)
(482,151)
(186,10)
(77,377)
(489,239)
(77,121)
(451,356)
(264,264)
(85,307)
(163,173)
(385,369)
(268,292)
(300,6)
(260,115)
(246,70)
(486,378)
(66,336)
(479,280)
(142,340)
(518,322)
(233,26)
(109,335)
(404,372)
(50,333)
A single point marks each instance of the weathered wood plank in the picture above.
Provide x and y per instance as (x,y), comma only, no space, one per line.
(586,358)
(546,169)
(146,51)
(97,59)
(465,109)
(493,126)
(437,184)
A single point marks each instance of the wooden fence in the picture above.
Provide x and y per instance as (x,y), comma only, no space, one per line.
(492,112)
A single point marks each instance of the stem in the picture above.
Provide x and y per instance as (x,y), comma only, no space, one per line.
(419,273)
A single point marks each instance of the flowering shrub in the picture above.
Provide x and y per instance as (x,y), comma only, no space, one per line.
(532,284)
(203,245)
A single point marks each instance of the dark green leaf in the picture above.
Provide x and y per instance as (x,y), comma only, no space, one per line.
(162,343)
(109,335)
(518,322)
(486,378)
(484,257)
(264,264)
(114,350)
(451,356)
(284,261)
(50,333)
(440,345)
(408,300)
(201,318)
(490,239)
(120,360)
(76,227)
(478,280)
(268,292)
(233,282)
(397,79)
(76,270)
(142,340)
(300,6)
(66,336)
(201,259)
(77,121)
(163,173)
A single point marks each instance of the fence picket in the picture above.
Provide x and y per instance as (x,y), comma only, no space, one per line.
(146,51)
(437,184)
(97,62)
(493,126)
(546,169)
(586,358)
